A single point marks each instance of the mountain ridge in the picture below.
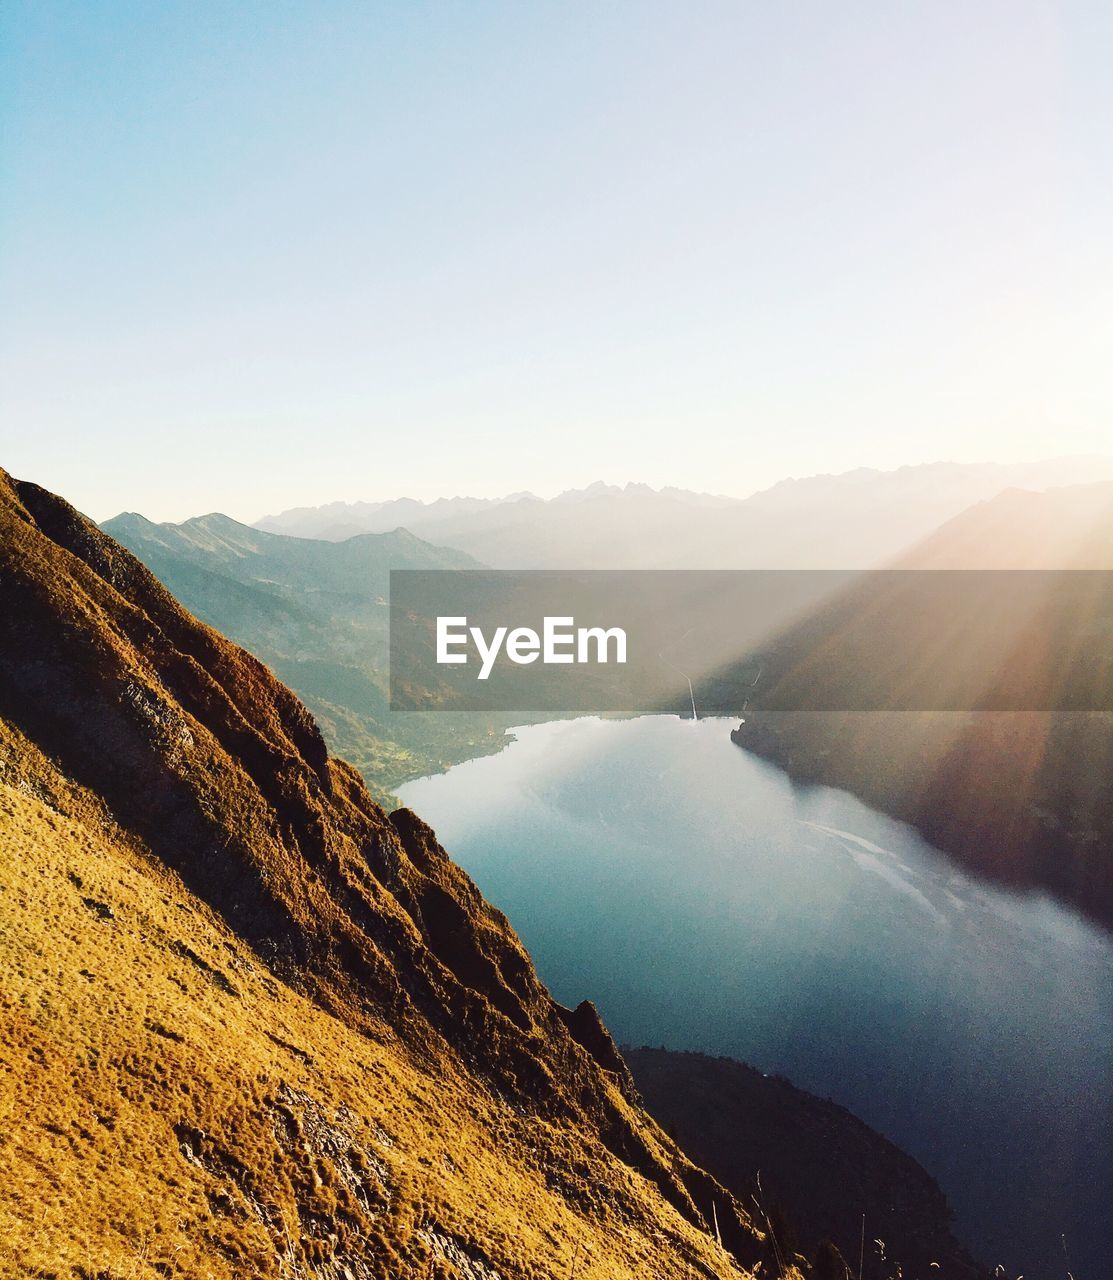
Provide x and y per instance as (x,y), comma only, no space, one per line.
(380,515)
(856,519)
(147,760)
(317,612)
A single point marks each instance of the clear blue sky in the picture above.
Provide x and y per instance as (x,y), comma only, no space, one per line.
(255,255)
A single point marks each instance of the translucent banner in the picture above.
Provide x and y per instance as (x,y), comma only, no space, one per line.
(720,642)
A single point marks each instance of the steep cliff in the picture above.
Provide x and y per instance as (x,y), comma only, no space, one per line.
(253,1025)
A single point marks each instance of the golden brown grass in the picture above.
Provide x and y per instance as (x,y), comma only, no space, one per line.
(253,1026)
(167,1108)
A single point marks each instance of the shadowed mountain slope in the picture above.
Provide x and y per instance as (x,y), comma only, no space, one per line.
(253,1025)
(764,1139)
(1024,797)
(317,613)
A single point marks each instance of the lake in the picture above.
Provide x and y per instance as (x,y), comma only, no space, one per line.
(703,901)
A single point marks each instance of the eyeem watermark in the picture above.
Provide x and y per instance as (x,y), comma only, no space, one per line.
(560,642)
(751,641)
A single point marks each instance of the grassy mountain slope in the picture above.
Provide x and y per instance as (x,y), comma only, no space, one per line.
(317,613)
(253,1025)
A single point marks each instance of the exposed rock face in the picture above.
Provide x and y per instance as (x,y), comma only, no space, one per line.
(166,774)
(588,1030)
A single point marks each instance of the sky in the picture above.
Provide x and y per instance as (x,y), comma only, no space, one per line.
(271,254)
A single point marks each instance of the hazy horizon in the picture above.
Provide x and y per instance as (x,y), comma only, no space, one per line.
(548,495)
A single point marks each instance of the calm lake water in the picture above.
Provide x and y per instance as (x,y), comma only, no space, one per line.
(704,902)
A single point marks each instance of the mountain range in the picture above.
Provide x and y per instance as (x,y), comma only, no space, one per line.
(857,519)
(336,521)
(1010,795)
(254,1025)
(317,613)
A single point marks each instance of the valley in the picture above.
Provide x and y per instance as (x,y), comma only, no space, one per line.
(785,926)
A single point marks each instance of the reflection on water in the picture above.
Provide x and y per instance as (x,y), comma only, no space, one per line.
(704,902)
